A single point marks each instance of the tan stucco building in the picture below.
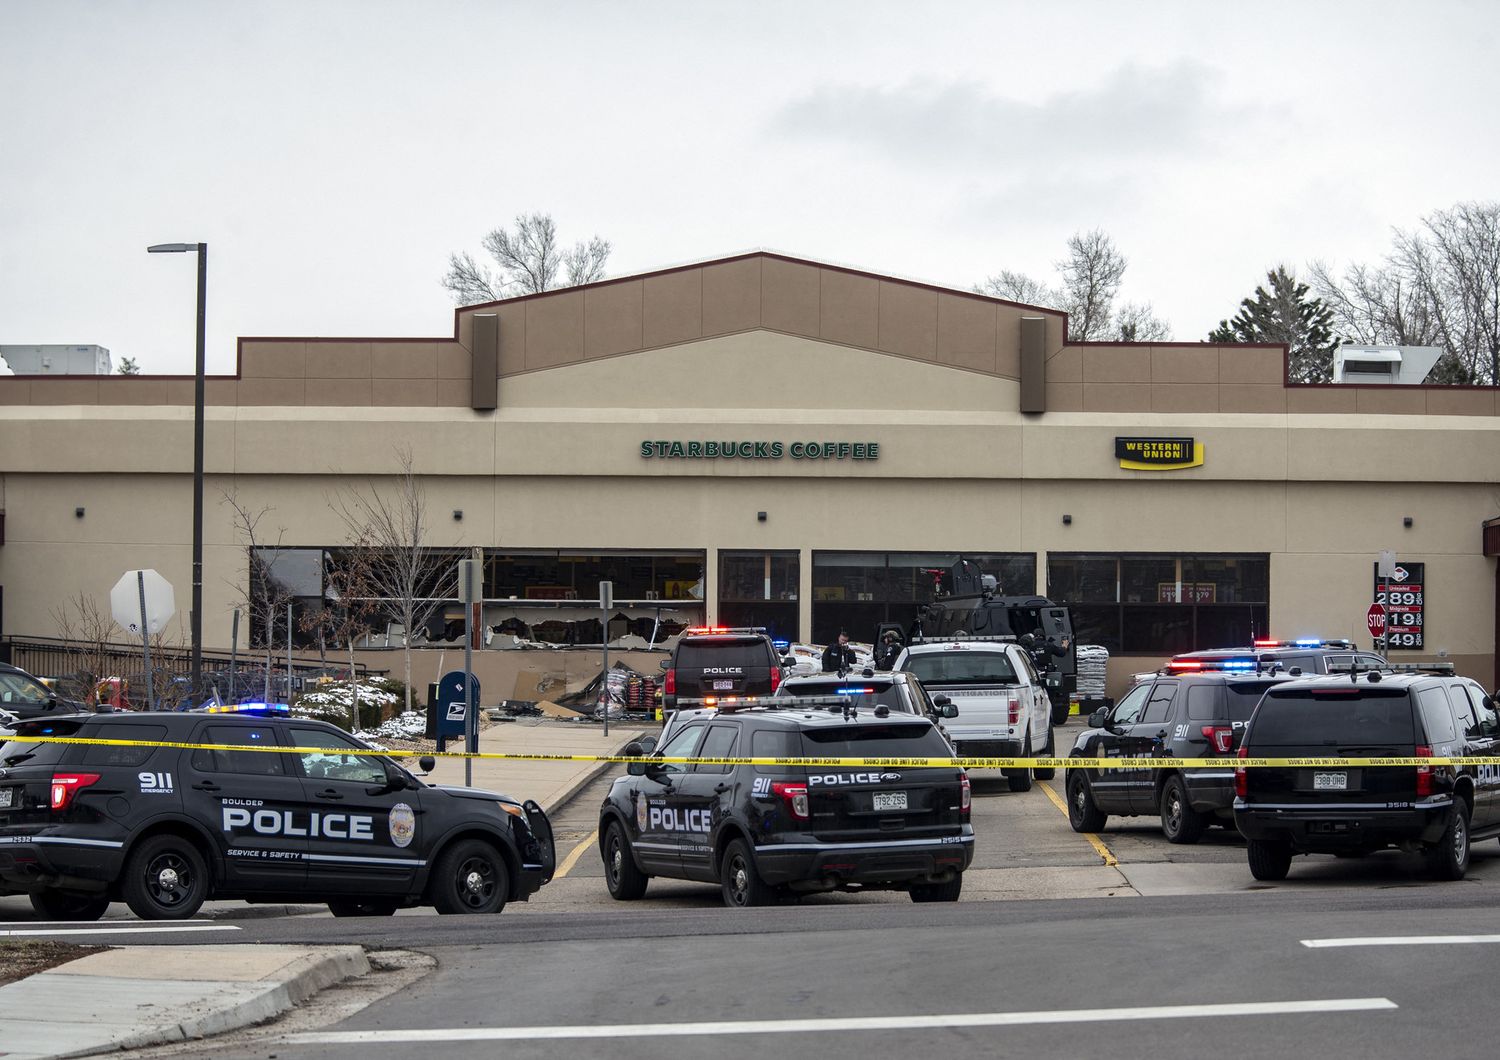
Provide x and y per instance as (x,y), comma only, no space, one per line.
(940,422)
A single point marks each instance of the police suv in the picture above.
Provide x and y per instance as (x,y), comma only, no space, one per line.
(165,828)
(1003,709)
(770,832)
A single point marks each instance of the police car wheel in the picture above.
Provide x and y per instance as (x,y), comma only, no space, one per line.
(741,884)
(165,879)
(1269,859)
(60,905)
(938,892)
(470,877)
(625,880)
(1450,858)
(1020,779)
(1083,815)
(1050,751)
(370,907)
(1180,823)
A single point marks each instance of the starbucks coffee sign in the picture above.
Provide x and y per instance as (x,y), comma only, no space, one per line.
(719,450)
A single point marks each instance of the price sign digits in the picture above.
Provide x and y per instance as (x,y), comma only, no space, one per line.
(1404,602)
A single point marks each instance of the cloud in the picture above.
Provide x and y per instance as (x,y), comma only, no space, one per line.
(1135,113)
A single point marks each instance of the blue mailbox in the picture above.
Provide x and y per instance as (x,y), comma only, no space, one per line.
(448,706)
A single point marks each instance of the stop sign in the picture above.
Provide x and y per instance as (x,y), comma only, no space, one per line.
(1375,620)
(125,601)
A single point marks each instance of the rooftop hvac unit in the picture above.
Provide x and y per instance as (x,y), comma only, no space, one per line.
(1407,365)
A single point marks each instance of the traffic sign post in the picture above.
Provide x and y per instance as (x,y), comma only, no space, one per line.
(1375,622)
(606,604)
(142,602)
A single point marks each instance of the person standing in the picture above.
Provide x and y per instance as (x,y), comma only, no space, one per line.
(889,651)
(838,656)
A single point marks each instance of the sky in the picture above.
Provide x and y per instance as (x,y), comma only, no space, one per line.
(333,154)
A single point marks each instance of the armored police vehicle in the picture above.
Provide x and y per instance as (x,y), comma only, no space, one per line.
(265,811)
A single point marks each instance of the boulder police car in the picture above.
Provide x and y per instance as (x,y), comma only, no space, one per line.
(764,833)
(164,828)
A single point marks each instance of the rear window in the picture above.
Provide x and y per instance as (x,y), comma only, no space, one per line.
(962,667)
(860,693)
(1240,697)
(107,755)
(722,653)
(1369,716)
(876,741)
(775,743)
(13,753)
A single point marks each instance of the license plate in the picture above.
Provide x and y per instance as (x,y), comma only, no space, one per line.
(723,686)
(1330,781)
(890,800)
(5,797)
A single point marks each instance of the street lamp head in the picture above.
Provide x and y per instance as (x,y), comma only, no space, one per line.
(171,248)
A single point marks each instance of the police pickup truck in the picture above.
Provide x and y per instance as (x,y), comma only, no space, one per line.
(772,832)
(1003,709)
(317,819)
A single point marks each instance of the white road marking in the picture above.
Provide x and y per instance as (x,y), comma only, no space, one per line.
(853,1023)
(1402,940)
(133,929)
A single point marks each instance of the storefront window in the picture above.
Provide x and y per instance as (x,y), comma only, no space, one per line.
(858,591)
(760,589)
(1139,604)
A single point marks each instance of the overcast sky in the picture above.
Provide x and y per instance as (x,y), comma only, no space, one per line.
(333,154)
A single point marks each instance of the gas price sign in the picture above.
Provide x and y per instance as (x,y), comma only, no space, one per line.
(1403,600)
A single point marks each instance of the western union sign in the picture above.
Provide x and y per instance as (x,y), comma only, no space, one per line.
(1158,454)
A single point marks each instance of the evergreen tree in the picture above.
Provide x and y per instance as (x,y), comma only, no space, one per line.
(1286,314)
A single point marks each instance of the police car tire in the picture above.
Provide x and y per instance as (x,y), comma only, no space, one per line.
(1180,823)
(1020,779)
(1450,858)
(452,892)
(342,907)
(145,887)
(625,880)
(60,905)
(1047,772)
(1083,815)
(1269,860)
(947,891)
(741,885)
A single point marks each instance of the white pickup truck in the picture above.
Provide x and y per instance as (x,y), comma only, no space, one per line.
(1003,710)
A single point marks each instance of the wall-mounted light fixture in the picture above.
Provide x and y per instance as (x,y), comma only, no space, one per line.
(1067,520)
(760,517)
(77,513)
(1406,522)
(458,515)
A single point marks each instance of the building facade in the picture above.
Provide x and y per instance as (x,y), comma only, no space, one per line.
(766,440)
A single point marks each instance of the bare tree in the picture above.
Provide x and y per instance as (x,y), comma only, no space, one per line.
(86,630)
(263,594)
(347,613)
(1439,285)
(1089,281)
(390,527)
(527,261)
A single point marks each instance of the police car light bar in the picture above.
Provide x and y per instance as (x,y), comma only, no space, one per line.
(1007,638)
(729,704)
(1303,642)
(701,631)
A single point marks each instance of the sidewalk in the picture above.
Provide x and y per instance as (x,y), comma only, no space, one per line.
(136,996)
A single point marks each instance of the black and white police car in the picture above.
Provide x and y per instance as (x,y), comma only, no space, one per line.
(165,828)
(764,833)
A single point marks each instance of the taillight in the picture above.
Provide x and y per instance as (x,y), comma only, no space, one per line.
(1014,708)
(1220,737)
(1424,773)
(669,683)
(1242,777)
(66,785)
(795,797)
(965,795)
(775,678)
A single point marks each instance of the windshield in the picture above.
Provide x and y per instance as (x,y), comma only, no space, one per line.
(962,668)
(860,693)
(876,741)
(21,688)
(13,753)
(722,653)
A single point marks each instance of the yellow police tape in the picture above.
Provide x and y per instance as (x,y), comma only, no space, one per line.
(1117,763)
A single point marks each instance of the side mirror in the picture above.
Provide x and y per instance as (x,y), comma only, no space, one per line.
(664,664)
(1096,719)
(426,764)
(636,769)
(633,748)
(647,744)
(947,710)
(1489,701)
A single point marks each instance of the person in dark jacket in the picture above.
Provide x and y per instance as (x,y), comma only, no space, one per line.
(838,656)
(889,650)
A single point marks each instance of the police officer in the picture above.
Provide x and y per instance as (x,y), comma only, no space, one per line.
(889,650)
(1043,649)
(838,656)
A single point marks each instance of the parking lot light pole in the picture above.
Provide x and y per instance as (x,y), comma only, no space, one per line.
(196,615)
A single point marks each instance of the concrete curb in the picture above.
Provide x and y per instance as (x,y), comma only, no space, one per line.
(568,794)
(117,1014)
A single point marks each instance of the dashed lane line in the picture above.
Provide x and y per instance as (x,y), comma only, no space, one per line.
(1097,843)
(842,1024)
(1402,940)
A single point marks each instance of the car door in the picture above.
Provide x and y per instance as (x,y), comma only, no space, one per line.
(1147,738)
(1038,706)
(1110,787)
(251,800)
(704,796)
(1482,738)
(658,797)
(361,821)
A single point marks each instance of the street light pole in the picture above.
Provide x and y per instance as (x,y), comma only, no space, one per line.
(196,615)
